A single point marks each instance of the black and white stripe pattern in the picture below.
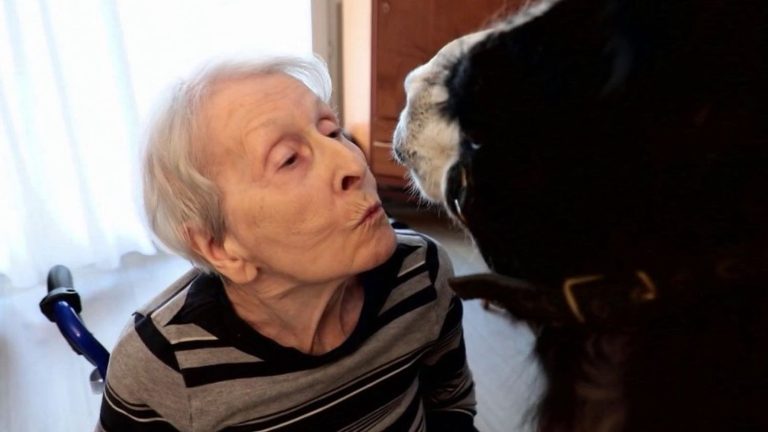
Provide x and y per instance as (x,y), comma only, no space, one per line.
(188,363)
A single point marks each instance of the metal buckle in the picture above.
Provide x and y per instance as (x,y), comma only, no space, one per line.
(648,291)
(568,285)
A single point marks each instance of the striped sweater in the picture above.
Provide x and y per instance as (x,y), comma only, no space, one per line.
(187,362)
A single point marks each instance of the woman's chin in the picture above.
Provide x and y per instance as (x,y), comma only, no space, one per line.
(381,246)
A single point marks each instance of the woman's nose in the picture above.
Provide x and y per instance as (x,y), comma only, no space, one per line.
(350,165)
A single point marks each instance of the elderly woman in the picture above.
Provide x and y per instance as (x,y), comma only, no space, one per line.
(306,310)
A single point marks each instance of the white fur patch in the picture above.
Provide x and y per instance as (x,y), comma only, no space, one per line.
(424,140)
(427,142)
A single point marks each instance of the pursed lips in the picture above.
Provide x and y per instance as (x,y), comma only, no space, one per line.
(371,211)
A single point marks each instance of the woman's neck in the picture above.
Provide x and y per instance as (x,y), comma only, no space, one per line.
(314,319)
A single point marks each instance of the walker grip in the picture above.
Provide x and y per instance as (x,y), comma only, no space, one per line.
(59,276)
(60,288)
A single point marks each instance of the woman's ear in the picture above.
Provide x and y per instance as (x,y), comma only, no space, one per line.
(225,256)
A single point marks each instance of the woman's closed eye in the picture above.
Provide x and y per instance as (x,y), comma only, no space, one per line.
(330,128)
(285,154)
(291,160)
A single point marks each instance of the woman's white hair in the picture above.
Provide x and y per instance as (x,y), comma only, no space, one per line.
(177,194)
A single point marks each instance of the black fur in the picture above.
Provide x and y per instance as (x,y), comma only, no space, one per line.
(611,136)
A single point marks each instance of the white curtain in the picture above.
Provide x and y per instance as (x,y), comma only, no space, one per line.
(76,80)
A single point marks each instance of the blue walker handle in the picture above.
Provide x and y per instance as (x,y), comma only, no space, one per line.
(62,306)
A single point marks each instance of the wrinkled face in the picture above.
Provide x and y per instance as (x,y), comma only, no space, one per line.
(299,199)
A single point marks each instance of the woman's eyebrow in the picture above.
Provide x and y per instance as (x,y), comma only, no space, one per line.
(322,106)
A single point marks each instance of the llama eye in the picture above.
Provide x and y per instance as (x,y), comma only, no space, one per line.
(468,143)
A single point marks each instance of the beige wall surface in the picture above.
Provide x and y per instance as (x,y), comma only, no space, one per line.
(356,69)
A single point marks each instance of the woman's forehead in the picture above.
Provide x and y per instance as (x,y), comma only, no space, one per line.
(261,93)
(256,102)
(249,109)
